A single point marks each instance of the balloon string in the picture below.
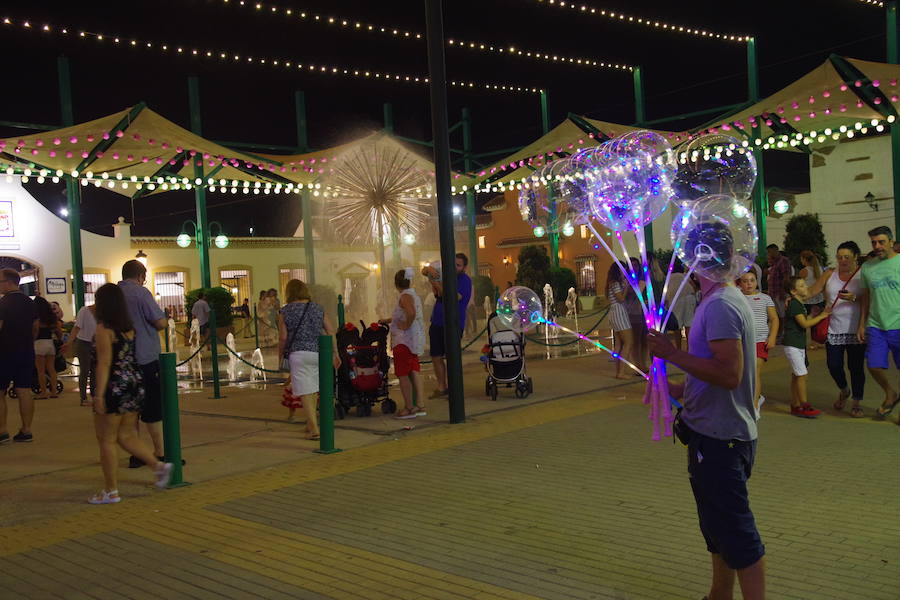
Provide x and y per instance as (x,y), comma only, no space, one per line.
(651,317)
(669,272)
(634,274)
(595,343)
(628,277)
(687,277)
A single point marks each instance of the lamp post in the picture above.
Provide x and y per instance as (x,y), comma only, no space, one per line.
(221,240)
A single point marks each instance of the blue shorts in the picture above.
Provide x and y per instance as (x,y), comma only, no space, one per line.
(719,470)
(880,343)
(436,345)
(17,368)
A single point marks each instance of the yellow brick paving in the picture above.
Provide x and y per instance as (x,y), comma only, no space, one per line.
(178,519)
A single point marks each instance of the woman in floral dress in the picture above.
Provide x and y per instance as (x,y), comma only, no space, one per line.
(118,394)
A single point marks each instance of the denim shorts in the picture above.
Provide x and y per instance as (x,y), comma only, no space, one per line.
(881,343)
(719,470)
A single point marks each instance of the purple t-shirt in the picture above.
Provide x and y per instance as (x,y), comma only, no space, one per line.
(464,289)
(144,313)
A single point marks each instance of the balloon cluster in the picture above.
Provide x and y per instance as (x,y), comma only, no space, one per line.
(715,164)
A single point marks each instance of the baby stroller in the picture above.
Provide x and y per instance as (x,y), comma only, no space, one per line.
(363,374)
(59,363)
(505,361)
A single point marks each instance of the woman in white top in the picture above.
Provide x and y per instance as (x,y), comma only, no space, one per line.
(844,285)
(616,290)
(407,343)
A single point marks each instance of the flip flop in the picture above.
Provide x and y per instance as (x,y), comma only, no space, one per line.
(857,412)
(881,414)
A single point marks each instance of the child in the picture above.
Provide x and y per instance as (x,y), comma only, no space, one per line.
(290,401)
(796,322)
(765,326)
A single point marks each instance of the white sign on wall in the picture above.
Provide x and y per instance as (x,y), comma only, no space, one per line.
(6,219)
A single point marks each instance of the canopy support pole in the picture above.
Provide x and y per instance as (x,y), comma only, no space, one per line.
(470,194)
(758,199)
(437,86)
(552,225)
(640,118)
(200,190)
(893,57)
(388,117)
(73,188)
(309,249)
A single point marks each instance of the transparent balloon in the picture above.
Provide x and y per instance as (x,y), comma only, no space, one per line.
(570,188)
(533,199)
(519,308)
(715,164)
(630,192)
(716,235)
(645,143)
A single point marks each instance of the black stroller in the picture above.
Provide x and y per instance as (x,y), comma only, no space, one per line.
(362,379)
(505,360)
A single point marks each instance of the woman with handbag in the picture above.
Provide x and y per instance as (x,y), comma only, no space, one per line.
(300,323)
(842,288)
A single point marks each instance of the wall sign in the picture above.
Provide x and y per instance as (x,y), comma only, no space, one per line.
(56,285)
(6,219)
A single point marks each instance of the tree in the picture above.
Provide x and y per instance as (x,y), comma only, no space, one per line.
(804,232)
(534,269)
(218,298)
(561,279)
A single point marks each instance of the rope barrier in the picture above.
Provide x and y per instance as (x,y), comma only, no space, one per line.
(188,359)
(586,333)
(279,371)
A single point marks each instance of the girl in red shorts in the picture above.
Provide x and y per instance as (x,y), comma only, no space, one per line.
(407,343)
(765,326)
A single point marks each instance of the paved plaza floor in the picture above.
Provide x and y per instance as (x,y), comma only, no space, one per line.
(559,496)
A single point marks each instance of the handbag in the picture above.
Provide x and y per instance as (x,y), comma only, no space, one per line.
(819,332)
(285,360)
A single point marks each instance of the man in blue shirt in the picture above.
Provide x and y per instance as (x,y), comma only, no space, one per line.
(148,319)
(436,331)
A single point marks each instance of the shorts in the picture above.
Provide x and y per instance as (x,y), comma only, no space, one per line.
(151,408)
(17,368)
(204,329)
(761,351)
(719,470)
(436,344)
(881,342)
(405,362)
(797,359)
(44,348)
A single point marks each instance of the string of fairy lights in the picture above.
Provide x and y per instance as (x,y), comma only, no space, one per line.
(877,3)
(583,9)
(245,59)
(351,24)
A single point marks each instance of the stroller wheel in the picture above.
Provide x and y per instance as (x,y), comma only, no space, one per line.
(59,386)
(487,387)
(388,406)
(493,392)
(12,393)
(530,385)
(36,388)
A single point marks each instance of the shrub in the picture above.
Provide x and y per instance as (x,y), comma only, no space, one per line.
(218,298)
(804,232)
(534,269)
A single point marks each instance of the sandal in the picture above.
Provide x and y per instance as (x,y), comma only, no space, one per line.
(406,413)
(312,436)
(842,400)
(857,412)
(420,411)
(881,413)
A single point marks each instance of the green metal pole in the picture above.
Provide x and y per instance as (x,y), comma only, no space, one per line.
(552,225)
(308,243)
(65,91)
(168,380)
(214,353)
(200,190)
(389,118)
(326,396)
(758,199)
(300,112)
(640,116)
(256,326)
(340,312)
(470,194)
(437,87)
(73,204)
(893,57)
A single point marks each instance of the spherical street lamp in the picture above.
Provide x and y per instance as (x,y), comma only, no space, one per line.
(183,240)
(781,206)
(221,241)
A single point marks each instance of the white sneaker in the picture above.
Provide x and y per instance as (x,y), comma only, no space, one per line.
(163,475)
(762,400)
(104,497)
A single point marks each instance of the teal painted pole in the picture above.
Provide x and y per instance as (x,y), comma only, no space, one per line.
(326,396)
(552,224)
(893,57)
(340,312)
(256,327)
(66,111)
(437,88)
(308,244)
(214,353)
(388,118)
(171,423)
(470,194)
(545,112)
(640,117)
(200,190)
(73,204)
(300,112)
(758,199)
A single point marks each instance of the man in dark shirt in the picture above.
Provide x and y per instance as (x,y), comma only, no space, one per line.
(18,330)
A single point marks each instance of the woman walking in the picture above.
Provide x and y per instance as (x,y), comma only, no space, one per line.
(842,287)
(45,350)
(300,323)
(407,343)
(118,394)
(616,292)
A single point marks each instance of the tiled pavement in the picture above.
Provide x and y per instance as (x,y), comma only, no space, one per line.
(564,499)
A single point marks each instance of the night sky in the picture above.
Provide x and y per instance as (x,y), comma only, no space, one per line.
(254,103)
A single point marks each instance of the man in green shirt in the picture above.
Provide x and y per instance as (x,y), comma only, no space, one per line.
(879,323)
